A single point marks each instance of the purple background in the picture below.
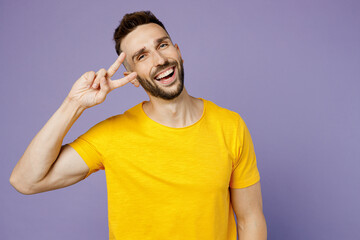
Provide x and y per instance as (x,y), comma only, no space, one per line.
(289,68)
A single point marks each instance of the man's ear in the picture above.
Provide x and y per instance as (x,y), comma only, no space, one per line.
(135,82)
(178,49)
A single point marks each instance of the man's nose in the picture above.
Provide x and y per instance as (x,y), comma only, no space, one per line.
(159,59)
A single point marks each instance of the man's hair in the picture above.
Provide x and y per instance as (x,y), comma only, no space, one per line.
(131,21)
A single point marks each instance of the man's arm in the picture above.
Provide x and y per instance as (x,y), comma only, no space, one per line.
(248,207)
(46,164)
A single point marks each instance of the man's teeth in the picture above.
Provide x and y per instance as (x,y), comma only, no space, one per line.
(164,74)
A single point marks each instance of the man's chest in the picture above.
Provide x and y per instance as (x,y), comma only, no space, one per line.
(199,162)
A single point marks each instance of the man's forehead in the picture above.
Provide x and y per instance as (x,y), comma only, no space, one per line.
(143,36)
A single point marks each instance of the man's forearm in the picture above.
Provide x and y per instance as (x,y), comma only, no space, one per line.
(45,146)
(253,229)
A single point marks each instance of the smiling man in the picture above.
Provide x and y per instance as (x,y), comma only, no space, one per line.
(177,167)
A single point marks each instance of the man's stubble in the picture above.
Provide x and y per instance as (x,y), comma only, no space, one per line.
(161,92)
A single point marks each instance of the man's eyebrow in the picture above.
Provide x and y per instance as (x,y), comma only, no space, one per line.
(142,50)
(137,53)
(159,40)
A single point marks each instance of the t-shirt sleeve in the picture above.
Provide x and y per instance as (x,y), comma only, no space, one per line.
(91,146)
(245,172)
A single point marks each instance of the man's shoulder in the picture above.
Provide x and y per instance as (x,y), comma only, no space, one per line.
(214,110)
(121,119)
(227,118)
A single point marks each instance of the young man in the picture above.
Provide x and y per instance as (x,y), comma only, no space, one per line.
(176,166)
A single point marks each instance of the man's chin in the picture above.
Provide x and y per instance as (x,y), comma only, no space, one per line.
(169,92)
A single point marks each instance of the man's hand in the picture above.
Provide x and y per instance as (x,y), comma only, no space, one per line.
(91,88)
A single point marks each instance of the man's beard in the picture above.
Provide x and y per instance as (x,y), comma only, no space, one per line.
(157,91)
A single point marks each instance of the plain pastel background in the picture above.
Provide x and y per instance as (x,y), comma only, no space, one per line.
(291,69)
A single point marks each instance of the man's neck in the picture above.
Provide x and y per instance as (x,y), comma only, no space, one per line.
(182,111)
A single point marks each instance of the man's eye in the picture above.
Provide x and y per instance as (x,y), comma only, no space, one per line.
(163,45)
(141,56)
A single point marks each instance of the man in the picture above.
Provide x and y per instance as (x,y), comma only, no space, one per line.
(176,166)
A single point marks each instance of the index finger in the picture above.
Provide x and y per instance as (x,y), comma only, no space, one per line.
(115,66)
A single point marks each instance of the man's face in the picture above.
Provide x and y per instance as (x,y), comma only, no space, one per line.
(158,63)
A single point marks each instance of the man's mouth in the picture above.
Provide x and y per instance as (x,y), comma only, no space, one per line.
(166,74)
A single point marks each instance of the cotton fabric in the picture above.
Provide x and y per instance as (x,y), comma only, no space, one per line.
(171,183)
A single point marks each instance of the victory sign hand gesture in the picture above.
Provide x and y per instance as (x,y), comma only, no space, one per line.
(91,88)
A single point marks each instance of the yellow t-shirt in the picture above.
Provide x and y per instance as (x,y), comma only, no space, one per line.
(171,183)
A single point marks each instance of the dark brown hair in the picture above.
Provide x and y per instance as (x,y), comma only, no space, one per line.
(130,21)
